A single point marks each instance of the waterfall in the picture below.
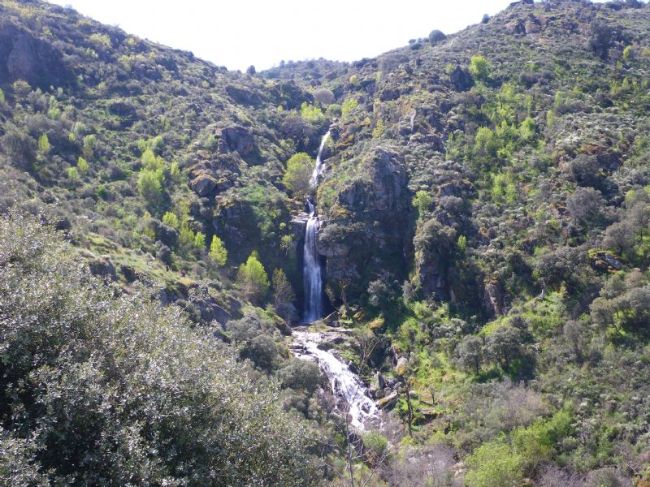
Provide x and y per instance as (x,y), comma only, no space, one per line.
(350,392)
(311,269)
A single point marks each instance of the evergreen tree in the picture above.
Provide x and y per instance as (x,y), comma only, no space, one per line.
(218,251)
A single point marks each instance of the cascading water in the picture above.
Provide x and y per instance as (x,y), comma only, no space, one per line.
(318,168)
(352,396)
(350,392)
(311,268)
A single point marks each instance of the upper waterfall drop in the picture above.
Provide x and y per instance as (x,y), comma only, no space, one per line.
(318,168)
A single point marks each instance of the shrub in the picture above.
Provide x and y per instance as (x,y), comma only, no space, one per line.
(2,96)
(375,447)
(82,165)
(252,279)
(298,174)
(494,463)
(218,252)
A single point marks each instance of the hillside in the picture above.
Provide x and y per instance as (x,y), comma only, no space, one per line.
(483,234)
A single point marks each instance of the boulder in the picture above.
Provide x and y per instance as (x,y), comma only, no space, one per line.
(103,267)
(204,185)
(243,96)
(388,402)
(402,366)
(238,139)
(461,79)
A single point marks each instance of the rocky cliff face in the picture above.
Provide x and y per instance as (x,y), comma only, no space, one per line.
(367,230)
(28,58)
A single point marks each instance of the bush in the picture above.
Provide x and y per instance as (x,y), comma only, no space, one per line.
(252,279)
(116,390)
(301,375)
(492,464)
(262,351)
(375,446)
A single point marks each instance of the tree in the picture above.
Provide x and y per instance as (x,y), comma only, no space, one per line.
(44,144)
(586,206)
(151,186)
(470,353)
(436,36)
(503,346)
(218,251)
(480,68)
(252,278)
(142,396)
(283,296)
(298,174)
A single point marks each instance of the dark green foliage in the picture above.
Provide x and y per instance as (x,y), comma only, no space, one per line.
(99,389)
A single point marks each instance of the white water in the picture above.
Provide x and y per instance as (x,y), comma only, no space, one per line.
(352,396)
(318,168)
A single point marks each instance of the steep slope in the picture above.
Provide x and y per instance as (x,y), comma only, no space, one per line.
(485,209)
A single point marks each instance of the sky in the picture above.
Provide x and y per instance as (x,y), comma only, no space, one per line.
(240,33)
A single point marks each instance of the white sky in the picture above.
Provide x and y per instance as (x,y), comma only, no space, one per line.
(238,33)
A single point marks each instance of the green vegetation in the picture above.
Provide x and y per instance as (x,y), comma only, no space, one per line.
(252,279)
(107,380)
(480,68)
(485,233)
(298,174)
(218,252)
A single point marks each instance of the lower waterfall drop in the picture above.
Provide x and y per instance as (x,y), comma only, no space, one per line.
(312,270)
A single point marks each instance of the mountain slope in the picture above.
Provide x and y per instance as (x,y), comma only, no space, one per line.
(485,212)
